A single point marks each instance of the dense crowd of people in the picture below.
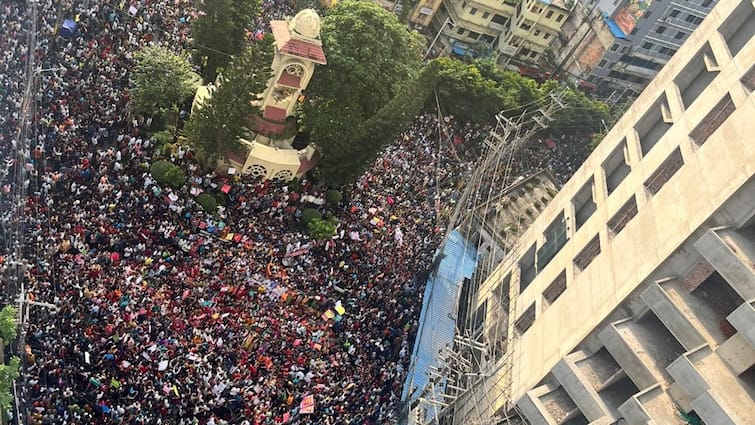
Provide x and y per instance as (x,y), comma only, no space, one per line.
(149,310)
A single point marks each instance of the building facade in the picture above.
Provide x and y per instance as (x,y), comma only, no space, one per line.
(644,313)
(643,35)
(510,31)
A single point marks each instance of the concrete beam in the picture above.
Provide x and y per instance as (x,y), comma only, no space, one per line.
(580,390)
(533,409)
(743,320)
(719,252)
(626,357)
(672,317)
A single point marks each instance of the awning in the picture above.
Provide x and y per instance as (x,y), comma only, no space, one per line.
(614,27)
(460,50)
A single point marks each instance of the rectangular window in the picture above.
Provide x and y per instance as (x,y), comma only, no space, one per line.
(526,320)
(697,75)
(485,15)
(674,13)
(622,217)
(500,20)
(549,14)
(588,253)
(680,35)
(749,79)
(460,31)
(737,29)
(487,38)
(525,26)
(661,29)
(478,321)
(693,19)
(556,288)
(527,269)
(555,238)
(473,35)
(546,36)
(713,120)
(602,63)
(559,18)
(653,125)
(473,11)
(665,171)
(616,167)
(647,45)
(614,47)
(706,3)
(536,32)
(623,49)
(584,205)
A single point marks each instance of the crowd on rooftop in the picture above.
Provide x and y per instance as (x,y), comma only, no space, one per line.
(152,311)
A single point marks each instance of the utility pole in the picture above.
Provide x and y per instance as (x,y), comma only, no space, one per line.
(437,36)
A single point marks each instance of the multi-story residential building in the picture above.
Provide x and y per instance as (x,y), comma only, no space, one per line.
(642,37)
(534,27)
(511,30)
(644,313)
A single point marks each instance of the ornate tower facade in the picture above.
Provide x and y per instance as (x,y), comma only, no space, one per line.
(297,50)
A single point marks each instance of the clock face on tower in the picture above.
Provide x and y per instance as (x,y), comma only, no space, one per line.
(295,69)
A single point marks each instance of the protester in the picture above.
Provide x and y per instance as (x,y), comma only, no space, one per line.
(166,314)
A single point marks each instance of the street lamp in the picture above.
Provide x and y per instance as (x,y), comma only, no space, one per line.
(437,36)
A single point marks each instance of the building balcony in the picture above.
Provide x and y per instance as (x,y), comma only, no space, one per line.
(665,39)
(679,23)
(539,18)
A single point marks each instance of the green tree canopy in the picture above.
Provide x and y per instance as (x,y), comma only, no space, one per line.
(8,324)
(372,57)
(214,128)
(220,31)
(8,373)
(581,115)
(160,80)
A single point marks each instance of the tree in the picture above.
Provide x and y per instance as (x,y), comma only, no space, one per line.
(581,116)
(208,202)
(321,229)
(465,93)
(220,31)
(8,374)
(372,57)
(160,80)
(8,324)
(168,174)
(214,128)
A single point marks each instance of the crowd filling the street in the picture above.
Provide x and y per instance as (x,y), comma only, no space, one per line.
(167,314)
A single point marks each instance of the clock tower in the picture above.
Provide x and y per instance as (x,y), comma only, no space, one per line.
(298,49)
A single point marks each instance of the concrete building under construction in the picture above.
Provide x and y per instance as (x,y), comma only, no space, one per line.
(644,313)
